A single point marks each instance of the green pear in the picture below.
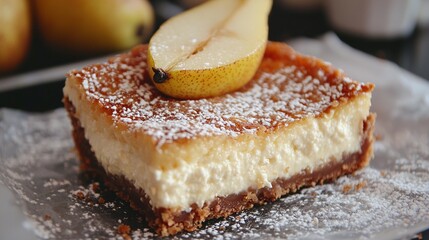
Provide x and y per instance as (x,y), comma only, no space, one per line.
(86,27)
(15,33)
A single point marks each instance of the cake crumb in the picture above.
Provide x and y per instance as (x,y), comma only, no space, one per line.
(79,195)
(124,229)
(95,187)
(360,185)
(47,217)
(101,200)
(347,188)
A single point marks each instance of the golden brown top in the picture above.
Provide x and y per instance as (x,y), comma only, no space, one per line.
(287,87)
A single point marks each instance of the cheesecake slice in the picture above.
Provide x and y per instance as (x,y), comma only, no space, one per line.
(297,123)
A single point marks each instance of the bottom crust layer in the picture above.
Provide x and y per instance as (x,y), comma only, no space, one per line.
(167,221)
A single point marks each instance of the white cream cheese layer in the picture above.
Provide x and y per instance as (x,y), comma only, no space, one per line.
(219,166)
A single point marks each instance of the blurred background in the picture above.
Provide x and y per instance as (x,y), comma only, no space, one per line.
(41,40)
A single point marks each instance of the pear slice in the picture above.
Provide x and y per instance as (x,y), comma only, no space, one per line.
(210,50)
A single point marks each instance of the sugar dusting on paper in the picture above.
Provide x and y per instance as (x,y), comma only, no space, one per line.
(391,196)
(390,199)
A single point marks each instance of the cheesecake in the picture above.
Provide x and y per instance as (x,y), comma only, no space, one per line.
(299,122)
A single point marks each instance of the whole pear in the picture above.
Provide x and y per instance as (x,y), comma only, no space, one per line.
(15,33)
(86,27)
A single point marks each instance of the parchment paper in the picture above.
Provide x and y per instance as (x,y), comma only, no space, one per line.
(389,199)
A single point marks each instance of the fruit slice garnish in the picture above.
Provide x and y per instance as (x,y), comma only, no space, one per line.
(209,50)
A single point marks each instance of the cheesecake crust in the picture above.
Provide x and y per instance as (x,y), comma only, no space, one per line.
(167,221)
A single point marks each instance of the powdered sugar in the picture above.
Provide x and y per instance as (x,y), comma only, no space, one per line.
(390,199)
(123,89)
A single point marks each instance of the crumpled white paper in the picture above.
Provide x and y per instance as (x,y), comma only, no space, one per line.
(390,199)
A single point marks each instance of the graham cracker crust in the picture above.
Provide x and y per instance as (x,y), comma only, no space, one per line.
(169,221)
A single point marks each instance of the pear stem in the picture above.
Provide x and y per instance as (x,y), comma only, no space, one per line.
(159,75)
